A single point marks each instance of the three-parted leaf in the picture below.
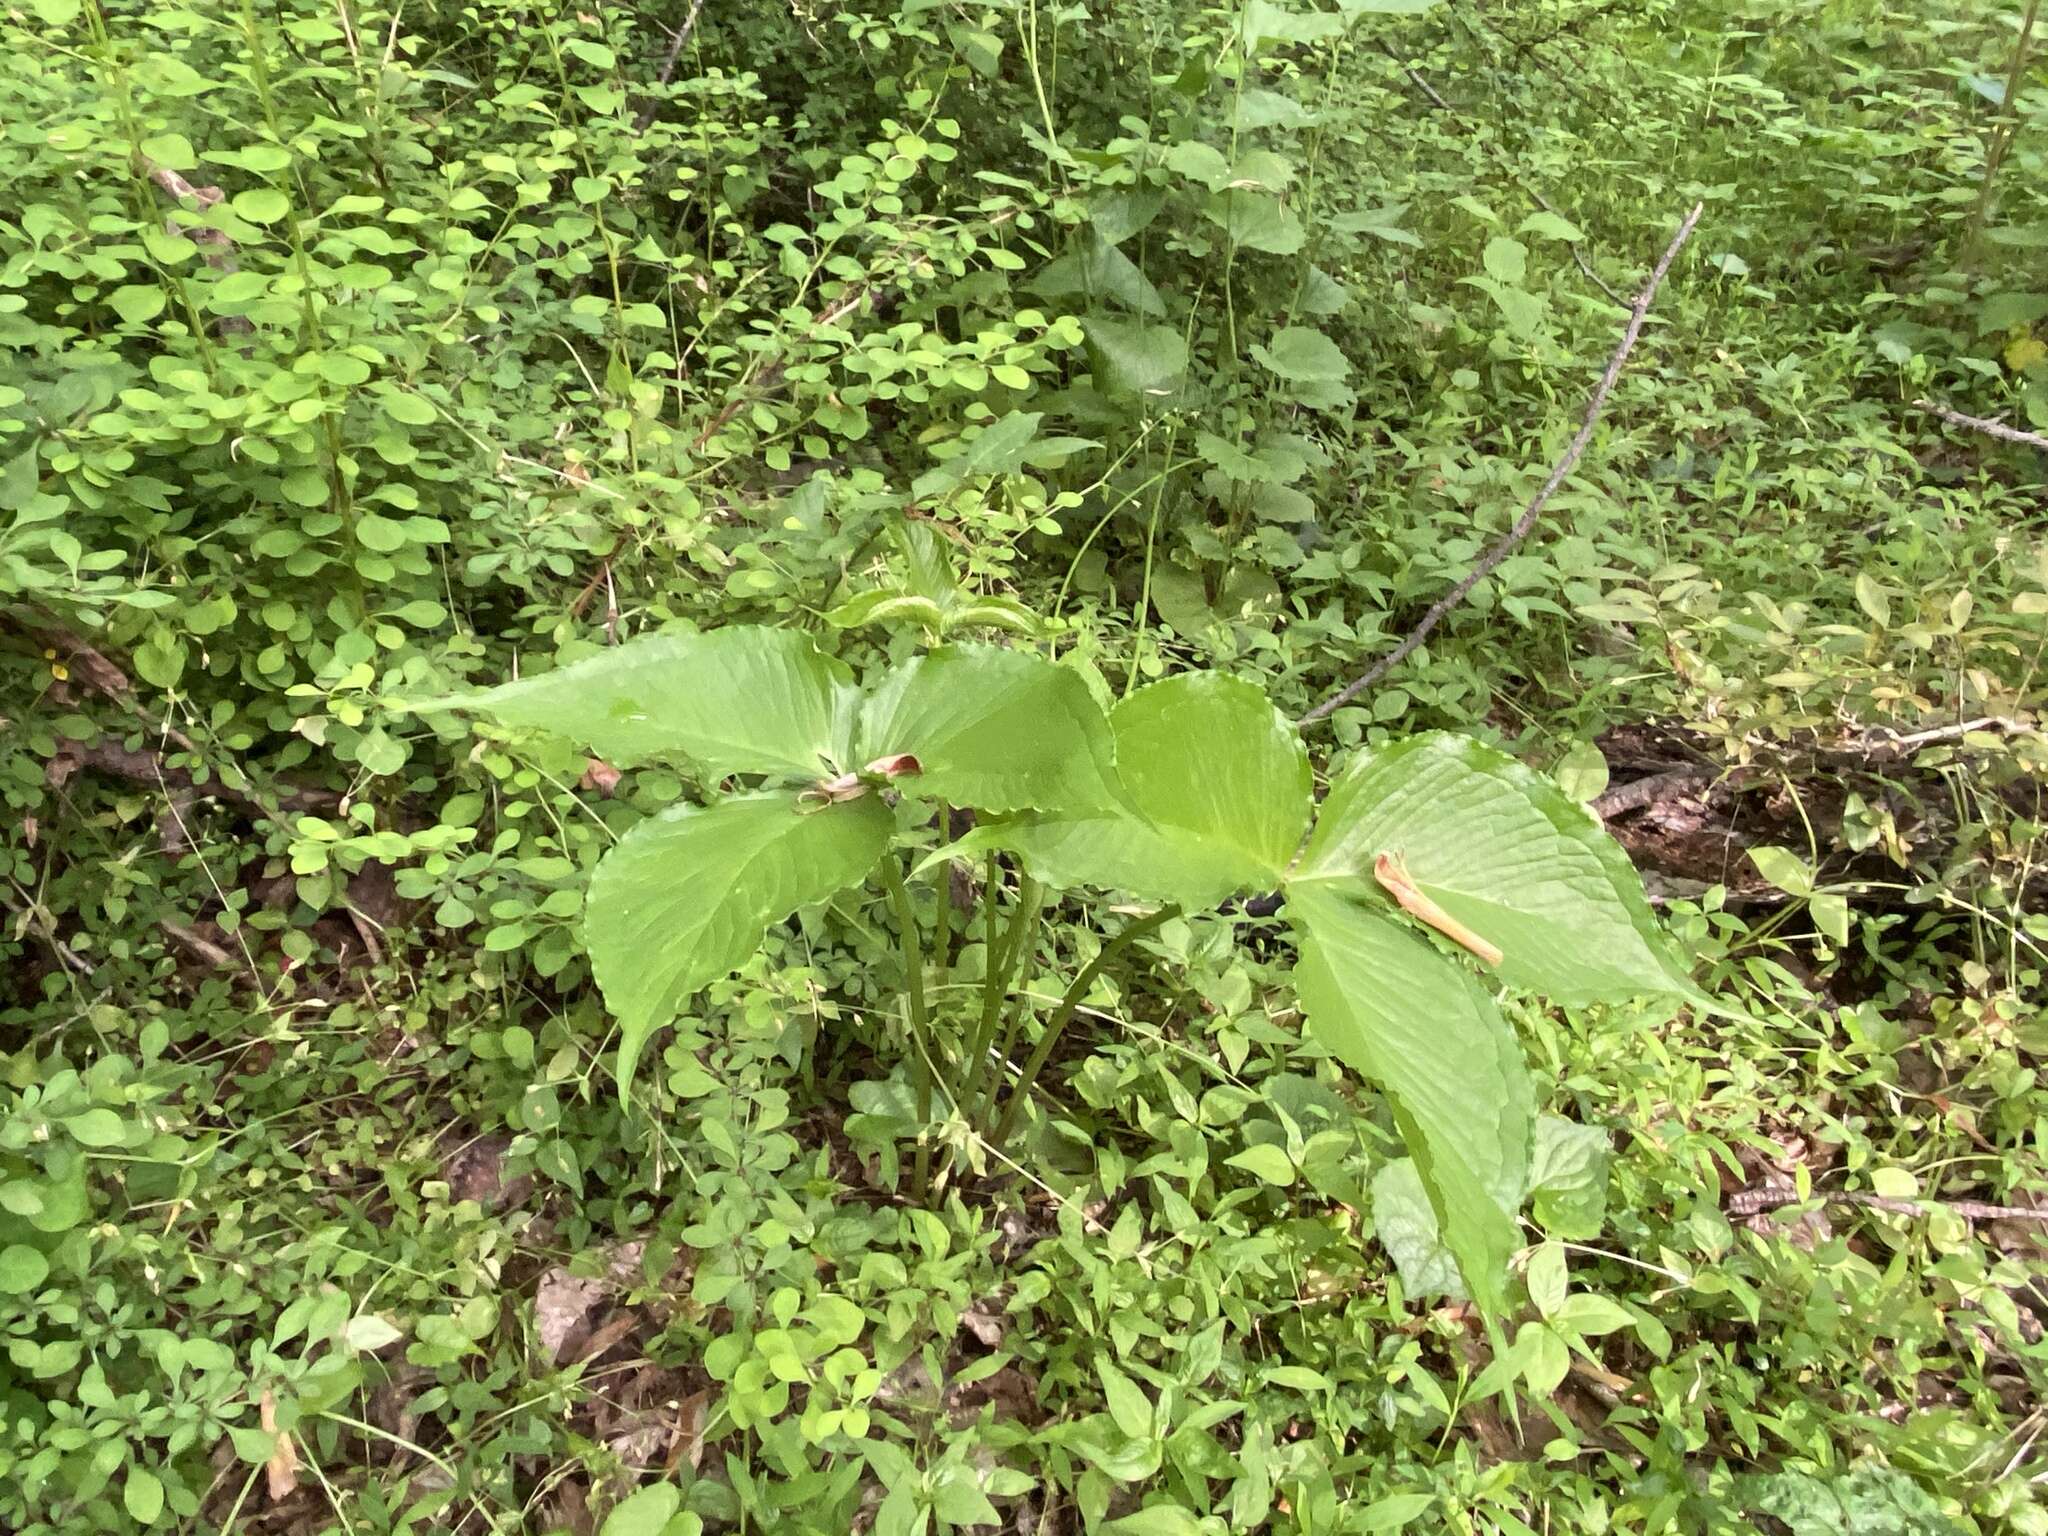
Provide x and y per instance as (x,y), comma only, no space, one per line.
(994,729)
(687,895)
(747,699)
(1420,1028)
(1219,791)
(1504,852)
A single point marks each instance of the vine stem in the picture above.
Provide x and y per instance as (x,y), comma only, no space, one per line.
(913,989)
(1064,1013)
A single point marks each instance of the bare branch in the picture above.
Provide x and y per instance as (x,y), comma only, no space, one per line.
(1769,1197)
(1491,560)
(1633,796)
(1983,424)
(668,64)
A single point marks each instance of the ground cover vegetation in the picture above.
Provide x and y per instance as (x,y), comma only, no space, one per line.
(800,767)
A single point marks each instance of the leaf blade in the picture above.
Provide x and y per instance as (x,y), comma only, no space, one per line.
(1422,1031)
(995,729)
(1221,786)
(745,699)
(686,897)
(1505,853)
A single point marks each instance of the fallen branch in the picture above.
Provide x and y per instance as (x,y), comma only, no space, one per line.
(198,945)
(1983,424)
(33,913)
(668,64)
(137,766)
(1633,796)
(1491,560)
(1882,740)
(1759,1198)
(93,669)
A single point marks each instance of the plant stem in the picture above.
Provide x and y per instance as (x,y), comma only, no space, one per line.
(991,958)
(999,1058)
(942,939)
(913,989)
(2002,136)
(1063,1015)
(1001,961)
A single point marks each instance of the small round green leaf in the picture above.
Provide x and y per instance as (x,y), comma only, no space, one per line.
(263,205)
(21,1269)
(643,1513)
(143,1495)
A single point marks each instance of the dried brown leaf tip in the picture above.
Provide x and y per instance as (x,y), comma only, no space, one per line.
(851,786)
(897,765)
(281,1472)
(1391,870)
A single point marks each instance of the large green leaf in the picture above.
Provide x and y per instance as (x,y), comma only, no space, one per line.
(686,896)
(1503,851)
(994,729)
(1129,357)
(747,699)
(1421,1029)
(1220,783)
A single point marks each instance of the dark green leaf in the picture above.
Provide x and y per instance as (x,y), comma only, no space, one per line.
(1132,358)
(1568,1178)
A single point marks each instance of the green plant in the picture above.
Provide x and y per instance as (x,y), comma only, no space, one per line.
(1187,792)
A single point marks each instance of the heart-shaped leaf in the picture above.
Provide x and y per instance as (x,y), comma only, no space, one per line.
(1503,852)
(998,730)
(1220,786)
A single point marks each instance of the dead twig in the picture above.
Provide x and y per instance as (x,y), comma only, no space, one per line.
(145,767)
(95,670)
(1984,424)
(1491,560)
(668,64)
(1759,1198)
(33,913)
(1624,798)
(1882,741)
(197,944)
